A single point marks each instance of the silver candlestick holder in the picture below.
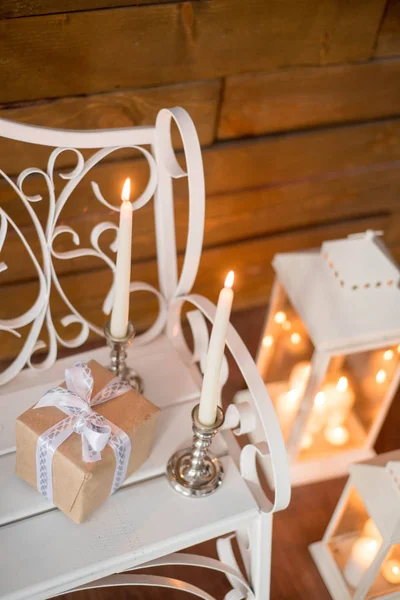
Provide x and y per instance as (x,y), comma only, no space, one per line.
(118,364)
(194,471)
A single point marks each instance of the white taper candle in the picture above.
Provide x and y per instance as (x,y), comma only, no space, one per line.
(212,375)
(120,310)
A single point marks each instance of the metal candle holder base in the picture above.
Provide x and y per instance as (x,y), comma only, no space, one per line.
(118,357)
(194,472)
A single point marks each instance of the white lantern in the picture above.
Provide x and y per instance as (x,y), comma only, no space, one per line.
(359,556)
(330,352)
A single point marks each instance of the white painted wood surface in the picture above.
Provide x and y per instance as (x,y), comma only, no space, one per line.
(18,500)
(137,524)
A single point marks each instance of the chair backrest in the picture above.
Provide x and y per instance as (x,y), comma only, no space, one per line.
(163,169)
(174,288)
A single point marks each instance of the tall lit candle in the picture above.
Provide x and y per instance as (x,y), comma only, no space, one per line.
(120,310)
(212,374)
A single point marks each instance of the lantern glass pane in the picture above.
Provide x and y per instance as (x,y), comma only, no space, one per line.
(355,541)
(387,580)
(349,400)
(284,359)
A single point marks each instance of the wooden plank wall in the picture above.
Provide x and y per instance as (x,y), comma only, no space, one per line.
(297,105)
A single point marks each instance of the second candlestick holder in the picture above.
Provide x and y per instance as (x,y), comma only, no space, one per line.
(118,364)
(194,471)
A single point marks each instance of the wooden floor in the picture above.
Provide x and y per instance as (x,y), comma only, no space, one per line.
(294,576)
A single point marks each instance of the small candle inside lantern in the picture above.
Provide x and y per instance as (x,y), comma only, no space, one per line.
(337,436)
(299,376)
(287,405)
(280,317)
(381,376)
(362,555)
(295,338)
(388,355)
(391,570)
(306,441)
(370,530)
(342,384)
(267,342)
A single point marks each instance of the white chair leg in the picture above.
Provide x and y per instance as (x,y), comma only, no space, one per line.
(260,565)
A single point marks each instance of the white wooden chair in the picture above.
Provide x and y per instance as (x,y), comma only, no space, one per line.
(146,522)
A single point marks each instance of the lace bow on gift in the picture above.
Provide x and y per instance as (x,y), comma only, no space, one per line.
(95,430)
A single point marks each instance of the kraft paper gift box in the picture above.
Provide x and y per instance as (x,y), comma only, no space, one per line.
(79,487)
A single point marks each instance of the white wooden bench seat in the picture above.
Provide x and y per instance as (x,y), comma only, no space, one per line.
(43,553)
(46,554)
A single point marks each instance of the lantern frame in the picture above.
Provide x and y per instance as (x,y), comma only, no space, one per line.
(305,279)
(382,473)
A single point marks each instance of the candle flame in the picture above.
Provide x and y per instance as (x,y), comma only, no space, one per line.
(388,355)
(126,190)
(342,384)
(319,399)
(229,279)
(280,317)
(381,376)
(267,342)
(295,338)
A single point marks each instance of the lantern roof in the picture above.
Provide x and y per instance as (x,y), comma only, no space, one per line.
(346,293)
(377,482)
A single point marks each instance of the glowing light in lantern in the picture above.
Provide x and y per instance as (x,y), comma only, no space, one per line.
(342,384)
(287,405)
(388,355)
(371,530)
(280,317)
(306,441)
(319,400)
(295,338)
(391,571)
(267,342)
(337,436)
(381,376)
(362,555)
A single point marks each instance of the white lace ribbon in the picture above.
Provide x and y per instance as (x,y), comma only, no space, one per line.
(95,430)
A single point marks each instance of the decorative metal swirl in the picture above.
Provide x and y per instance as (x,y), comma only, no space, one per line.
(162,164)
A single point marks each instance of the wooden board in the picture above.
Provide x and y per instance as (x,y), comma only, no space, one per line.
(290,99)
(231,217)
(253,189)
(117,537)
(243,165)
(251,261)
(388,42)
(102,50)
(127,108)
(11,9)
